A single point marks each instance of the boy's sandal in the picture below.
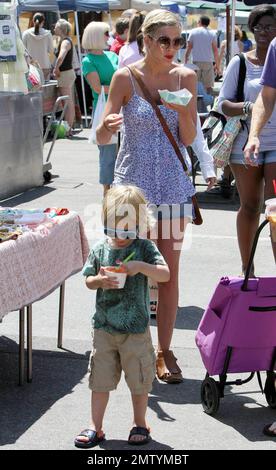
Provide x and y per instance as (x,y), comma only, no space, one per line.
(153,306)
(163,373)
(93,438)
(139,431)
(268,432)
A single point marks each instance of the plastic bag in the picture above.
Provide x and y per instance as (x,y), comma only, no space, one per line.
(97,118)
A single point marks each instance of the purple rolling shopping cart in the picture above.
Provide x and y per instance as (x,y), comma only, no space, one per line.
(237,334)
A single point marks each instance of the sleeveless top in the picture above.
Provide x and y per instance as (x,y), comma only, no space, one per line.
(146,157)
(68,59)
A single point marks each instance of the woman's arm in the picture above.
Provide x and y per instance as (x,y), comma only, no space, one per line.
(64,49)
(119,94)
(229,89)
(188,114)
(95,83)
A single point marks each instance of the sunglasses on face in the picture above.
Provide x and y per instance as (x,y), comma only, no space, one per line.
(106,33)
(121,233)
(268,28)
(165,42)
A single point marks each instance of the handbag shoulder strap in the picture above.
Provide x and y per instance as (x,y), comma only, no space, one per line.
(160,116)
(241,79)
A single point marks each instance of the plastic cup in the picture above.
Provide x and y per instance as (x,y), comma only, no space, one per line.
(119,274)
(270,213)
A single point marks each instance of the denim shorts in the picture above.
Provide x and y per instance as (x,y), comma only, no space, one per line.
(172,211)
(264,158)
(108,155)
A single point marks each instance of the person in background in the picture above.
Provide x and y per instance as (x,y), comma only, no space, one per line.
(63,70)
(147,159)
(129,53)
(202,43)
(121,28)
(237,48)
(121,334)
(39,44)
(98,68)
(129,13)
(253,179)
(247,43)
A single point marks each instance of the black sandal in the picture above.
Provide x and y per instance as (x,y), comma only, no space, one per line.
(153,306)
(139,431)
(93,439)
(268,432)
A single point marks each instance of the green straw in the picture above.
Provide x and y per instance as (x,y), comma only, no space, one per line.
(127,258)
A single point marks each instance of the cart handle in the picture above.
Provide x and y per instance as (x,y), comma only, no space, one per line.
(244,286)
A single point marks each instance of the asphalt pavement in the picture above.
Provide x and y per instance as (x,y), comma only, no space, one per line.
(49,412)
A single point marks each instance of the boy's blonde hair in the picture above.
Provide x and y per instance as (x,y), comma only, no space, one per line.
(125,204)
(94,35)
(156,19)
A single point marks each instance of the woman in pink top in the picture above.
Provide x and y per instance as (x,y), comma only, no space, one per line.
(130,52)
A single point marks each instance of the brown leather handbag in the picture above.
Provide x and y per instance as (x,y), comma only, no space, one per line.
(197,218)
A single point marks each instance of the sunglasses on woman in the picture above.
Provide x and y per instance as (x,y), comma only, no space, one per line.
(106,33)
(165,42)
(121,233)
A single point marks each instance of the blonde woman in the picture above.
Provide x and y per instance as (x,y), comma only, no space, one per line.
(147,159)
(63,70)
(98,67)
(121,334)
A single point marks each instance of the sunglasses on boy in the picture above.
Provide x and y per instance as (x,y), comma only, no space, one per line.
(165,42)
(121,233)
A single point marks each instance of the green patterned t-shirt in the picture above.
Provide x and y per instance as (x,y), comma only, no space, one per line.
(122,310)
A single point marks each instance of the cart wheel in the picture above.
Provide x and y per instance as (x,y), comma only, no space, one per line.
(47,176)
(210,396)
(270,391)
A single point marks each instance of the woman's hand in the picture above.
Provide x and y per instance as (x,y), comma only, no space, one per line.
(251,151)
(211,183)
(180,108)
(56,72)
(113,122)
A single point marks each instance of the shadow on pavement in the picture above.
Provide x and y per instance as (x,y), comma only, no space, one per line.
(55,375)
(245,415)
(117,444)
(27,196)
(187,318)
(185,393)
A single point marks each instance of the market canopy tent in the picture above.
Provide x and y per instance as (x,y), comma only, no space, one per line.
(62,5)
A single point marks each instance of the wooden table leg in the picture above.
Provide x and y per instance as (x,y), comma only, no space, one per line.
(21,345)
(29,344)
(61,314)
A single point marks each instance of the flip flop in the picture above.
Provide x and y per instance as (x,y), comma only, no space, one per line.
(139,431)
(268,432)
(93,439)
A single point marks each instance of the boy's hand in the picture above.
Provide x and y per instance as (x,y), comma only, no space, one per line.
(133,267)
(106,282)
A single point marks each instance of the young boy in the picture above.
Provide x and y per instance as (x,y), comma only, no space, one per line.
(121,335)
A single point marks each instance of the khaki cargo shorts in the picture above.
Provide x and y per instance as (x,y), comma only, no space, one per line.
(205,74)
(132,353)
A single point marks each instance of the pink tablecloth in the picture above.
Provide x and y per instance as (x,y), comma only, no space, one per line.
(37,262)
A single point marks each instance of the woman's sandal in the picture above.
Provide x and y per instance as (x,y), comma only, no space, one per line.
(93,438)
(268,432)
(153,307)
(173,376)
(139,431)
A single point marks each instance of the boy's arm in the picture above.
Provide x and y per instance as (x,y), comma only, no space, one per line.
(157,272)
(101,281)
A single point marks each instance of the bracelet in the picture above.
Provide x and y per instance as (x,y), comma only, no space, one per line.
(107,128)
(246,107)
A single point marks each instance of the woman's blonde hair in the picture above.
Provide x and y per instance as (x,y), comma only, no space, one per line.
(156,19)
(124,205)
(64,26)
(94,35)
